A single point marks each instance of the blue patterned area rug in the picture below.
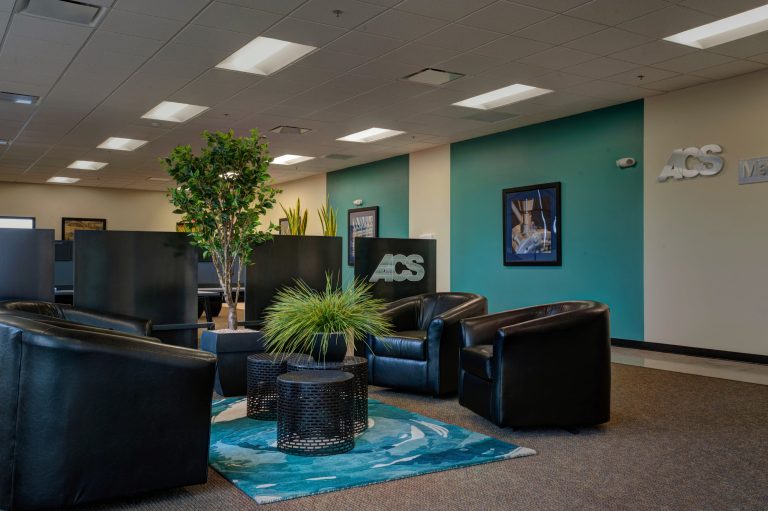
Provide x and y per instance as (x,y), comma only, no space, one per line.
(397,444)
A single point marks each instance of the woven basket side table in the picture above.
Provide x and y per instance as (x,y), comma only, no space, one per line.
(314,413)
(263,370)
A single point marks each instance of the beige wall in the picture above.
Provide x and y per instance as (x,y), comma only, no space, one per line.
(311,191)
(123,209)
(706,239)
(429,209)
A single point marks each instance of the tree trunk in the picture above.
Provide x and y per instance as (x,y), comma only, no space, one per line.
(232,314)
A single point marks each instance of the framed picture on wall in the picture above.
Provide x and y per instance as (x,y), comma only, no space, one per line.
(70,225)
(361,223)
(532,225)
(285,227)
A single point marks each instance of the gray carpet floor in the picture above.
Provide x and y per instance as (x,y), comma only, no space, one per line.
(675,441)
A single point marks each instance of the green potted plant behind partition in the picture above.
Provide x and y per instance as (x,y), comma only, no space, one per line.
(327,218)
(325,324)
(297,221)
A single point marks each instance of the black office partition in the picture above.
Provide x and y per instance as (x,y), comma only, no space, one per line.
(63,270)
(150,275)
(397,267)
(26,264)
(278,262)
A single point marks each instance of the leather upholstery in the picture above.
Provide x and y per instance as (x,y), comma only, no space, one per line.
(39,310)
(89,414)
(549,365)
(403,361)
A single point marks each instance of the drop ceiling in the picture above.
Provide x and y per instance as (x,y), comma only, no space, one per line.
(96,82)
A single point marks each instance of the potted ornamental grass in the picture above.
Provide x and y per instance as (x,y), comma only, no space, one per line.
(326,323)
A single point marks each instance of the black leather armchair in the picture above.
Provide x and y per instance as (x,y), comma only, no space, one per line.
(423,356)
(548,365)
(88,414)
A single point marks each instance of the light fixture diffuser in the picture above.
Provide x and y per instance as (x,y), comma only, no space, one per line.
(174,112)
(121,144)
(722,31)
(370,135)
(63,180)
(291,159)
(87,165)
(264,56)
(504,96)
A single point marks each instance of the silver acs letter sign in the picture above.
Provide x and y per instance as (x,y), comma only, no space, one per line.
(411,268)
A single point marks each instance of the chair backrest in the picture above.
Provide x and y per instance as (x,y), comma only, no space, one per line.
(32,307)
(434,304)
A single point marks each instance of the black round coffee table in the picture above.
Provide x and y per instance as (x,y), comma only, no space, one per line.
(358,366)
(263,370)
(314,413)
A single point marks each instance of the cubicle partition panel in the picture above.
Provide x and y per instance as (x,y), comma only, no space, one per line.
(63,270)
(26,264)
(279,262)
(397,268)
(150,275)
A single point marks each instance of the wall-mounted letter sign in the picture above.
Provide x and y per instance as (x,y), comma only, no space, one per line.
(754,170)
(705,163)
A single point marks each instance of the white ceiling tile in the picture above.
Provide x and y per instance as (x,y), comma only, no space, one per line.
(553,5)
(512,48)
(182,10)
(459,37)
(613,12)
(693,62)
(49,60)
(676,82)
(6,5)
(123,43)
(763,57)
(402,25)
(608,41)
(609,90)
(469,63)
(304,32)
(744,48)
(505,17)
(418,55)
(557,58)
(4,17)
(511,72)
(278,6)
(600,68)
(367,45)
(653,52)
(140,25)
(555,81)
(337,62)
(450,10)
(720,8)
(353,12)
(50,31)
(560,29)
(737,67)
(236,18)
(638,77)
(213,87)
(667,21)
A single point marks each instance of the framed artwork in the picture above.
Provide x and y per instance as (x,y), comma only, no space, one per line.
(285,228)
(70,225)
(532,225)
(361,223)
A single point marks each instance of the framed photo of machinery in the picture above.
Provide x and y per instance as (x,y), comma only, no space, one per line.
(361,223)
(285,227)
(532,225)
(70,225)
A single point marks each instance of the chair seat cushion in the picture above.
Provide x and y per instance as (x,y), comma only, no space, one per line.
(409,344)
(477,360)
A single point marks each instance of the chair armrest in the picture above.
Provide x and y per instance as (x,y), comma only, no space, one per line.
(119,322)
(403,313)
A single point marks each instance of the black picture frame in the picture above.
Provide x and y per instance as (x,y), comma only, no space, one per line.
(285,227)
(93,224)
(355,229)
(532,225)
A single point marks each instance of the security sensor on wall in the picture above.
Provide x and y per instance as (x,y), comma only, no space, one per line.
(358,202)
(625,163)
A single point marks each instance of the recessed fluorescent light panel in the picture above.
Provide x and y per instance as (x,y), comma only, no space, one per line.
(435,77)
(291,159)
(63,180)
(87,165)
(370,135)
(121,144)
(264,56)
(174,112)
(504,96)
(725,30)
(3,141)
(19,99)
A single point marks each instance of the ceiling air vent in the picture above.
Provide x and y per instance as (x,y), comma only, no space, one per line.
(337,156)
(69,11)
(290,130)
(434,77)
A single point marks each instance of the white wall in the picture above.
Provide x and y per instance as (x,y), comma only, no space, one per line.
(312,192)
(429,209)
(706,239)
(124,209)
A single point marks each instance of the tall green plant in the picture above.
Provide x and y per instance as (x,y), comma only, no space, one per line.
(297,221)
(222,194)
(327,218)
(299,313)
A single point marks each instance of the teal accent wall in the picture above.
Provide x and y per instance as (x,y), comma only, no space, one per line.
(383,183)
(602,213)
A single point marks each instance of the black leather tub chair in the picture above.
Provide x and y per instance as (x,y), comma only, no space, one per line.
(548,365)
(89,414)
(423,355)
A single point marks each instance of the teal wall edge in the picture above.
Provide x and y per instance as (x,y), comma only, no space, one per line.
(602,213)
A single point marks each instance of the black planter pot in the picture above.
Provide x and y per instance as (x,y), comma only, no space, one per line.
(336,350)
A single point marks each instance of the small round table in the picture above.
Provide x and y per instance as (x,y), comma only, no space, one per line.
(358,366)
(262,371)
(314,413)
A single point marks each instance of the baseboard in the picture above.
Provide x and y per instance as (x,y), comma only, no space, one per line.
(688,350)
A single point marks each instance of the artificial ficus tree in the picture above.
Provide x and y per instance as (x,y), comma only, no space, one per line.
(223,193)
